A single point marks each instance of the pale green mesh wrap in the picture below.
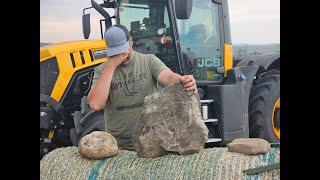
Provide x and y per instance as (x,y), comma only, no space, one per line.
(213,163)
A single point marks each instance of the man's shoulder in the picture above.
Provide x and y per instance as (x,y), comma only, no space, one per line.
(144,57)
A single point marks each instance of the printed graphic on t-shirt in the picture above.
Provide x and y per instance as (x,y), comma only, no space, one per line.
(130,87)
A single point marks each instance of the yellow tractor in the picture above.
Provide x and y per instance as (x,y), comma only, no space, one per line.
(190,37)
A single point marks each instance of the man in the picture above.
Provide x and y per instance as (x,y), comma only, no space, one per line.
(121,83)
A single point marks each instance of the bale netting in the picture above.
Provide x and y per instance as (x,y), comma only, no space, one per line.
(212,163)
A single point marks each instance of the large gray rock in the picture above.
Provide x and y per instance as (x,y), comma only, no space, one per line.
(170,121)
(249,146)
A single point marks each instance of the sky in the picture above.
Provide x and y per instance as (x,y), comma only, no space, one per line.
(251,21)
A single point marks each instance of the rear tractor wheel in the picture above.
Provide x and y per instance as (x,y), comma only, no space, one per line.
(264,107)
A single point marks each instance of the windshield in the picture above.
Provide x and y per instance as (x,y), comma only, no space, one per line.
(200,41)
(150,27)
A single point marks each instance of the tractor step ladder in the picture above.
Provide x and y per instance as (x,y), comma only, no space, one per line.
(205,116)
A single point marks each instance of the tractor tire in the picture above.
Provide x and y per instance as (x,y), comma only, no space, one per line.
(93,121)
(264,98)
(86,121)
(74,136)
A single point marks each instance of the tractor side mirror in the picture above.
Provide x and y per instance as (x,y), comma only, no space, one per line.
(86,25)
(183,8)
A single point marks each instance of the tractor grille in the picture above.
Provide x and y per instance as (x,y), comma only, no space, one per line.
(78,56)
(82,58)
(91,56)
(72,60)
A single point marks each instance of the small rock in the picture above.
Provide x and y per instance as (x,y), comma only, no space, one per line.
(170,122)
(249,146)
(97,145)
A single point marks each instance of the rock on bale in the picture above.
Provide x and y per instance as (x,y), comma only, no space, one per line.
(249,146)
(97,145)
(213,163)
(171,121)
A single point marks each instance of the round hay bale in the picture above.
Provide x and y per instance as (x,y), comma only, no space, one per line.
(213,163)
(97,145)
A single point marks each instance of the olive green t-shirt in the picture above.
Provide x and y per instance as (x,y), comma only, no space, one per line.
(130,84)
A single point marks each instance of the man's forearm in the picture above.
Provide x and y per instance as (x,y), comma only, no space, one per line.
(99,93)
(168,77)
(173,78)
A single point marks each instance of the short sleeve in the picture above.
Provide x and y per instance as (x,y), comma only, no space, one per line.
(97,73)
(156,66)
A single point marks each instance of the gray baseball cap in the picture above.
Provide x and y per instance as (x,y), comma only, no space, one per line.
(117,40)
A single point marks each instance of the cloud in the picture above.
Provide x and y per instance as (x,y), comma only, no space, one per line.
(251,21)
(255,21)
(241,10)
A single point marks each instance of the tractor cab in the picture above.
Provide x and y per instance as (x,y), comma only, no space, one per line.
(188,43)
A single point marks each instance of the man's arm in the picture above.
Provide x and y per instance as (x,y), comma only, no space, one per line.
(99,92)
(167,77)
